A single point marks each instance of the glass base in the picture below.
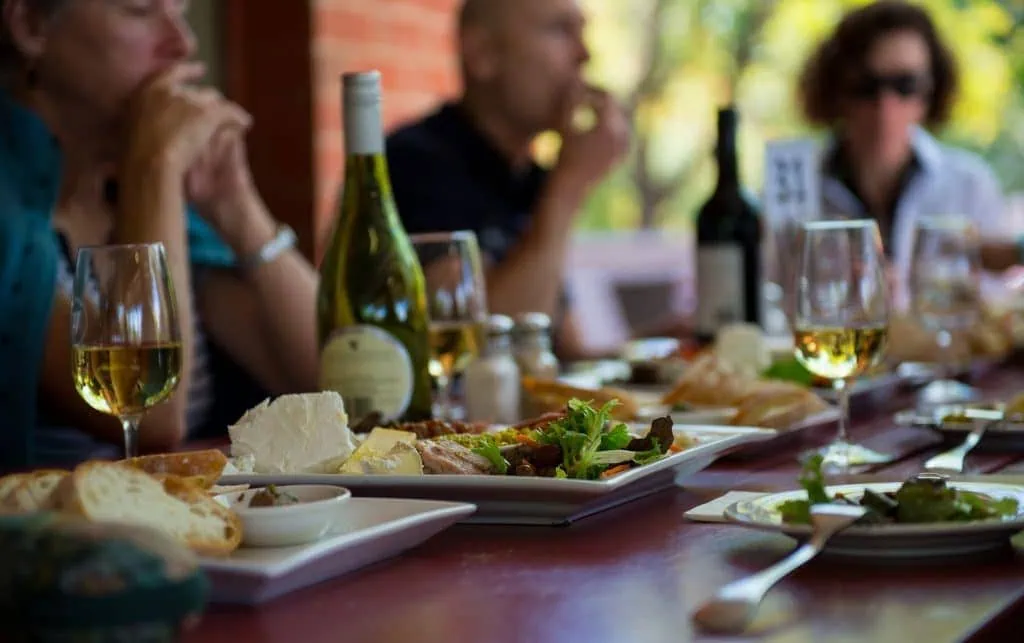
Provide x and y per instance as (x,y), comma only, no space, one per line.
(841,456)
(942,392)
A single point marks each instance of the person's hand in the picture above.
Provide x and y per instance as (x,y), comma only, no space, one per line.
(588,155)
(173,122)
(219,182)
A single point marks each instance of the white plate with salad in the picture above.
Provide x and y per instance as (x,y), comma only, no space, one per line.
(553,472)
(925,516)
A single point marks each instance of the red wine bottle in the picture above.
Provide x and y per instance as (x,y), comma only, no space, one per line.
(728,244)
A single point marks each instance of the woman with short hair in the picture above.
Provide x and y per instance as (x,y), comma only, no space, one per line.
(106,137)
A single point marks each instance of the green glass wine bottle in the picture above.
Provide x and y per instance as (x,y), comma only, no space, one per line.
(372,301)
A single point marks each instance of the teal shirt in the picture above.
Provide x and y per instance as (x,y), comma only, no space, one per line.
(30,177)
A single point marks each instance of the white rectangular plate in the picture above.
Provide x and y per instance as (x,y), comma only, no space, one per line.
(368,530)
(538,501)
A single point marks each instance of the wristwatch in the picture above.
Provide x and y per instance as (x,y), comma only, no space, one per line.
(283,241)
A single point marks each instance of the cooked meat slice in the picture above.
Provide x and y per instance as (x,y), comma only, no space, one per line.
(450,457)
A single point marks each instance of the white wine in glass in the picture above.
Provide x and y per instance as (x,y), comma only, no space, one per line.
(457,305)
(841,317)
(125,340)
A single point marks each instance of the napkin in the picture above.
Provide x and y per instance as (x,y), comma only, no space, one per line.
(713,511)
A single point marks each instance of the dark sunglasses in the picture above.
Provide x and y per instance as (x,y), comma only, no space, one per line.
(904,85)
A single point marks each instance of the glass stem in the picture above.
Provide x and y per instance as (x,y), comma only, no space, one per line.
(946,367)
(444,396)
(131,436)
(843,392)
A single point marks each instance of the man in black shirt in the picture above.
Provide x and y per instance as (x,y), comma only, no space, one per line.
(469,165)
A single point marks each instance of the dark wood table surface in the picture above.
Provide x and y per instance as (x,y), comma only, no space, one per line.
(634,574)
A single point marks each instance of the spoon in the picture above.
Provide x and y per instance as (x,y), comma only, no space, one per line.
(952,461)
(734,606)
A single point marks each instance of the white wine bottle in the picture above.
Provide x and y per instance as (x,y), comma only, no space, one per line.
(372,302)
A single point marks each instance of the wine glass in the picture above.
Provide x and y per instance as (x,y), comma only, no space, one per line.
(456,304)
(945,286)
(125,339)
(841,317)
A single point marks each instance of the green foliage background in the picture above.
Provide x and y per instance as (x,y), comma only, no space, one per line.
(673,62)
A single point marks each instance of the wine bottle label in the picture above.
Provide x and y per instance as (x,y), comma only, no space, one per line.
(370,369)
(719,287)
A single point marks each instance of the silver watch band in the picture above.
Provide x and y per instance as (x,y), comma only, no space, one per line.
(283,241)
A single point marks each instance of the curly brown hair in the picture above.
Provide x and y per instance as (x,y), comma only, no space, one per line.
(825,81)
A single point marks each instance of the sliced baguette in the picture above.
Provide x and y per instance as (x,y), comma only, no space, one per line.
(9,483)
(777,407)
(205,467)
(35,492)
(115,492)
(553,396)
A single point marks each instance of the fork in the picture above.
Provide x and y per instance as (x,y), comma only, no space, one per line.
(734,606)
(952,461)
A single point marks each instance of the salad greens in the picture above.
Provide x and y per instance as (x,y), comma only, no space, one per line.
(918,500)
(583,444)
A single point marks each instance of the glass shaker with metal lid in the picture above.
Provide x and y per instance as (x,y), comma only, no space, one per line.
(533,346)
(492,386)
(534,355)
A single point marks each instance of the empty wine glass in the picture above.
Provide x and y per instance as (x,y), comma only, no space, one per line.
(841,317)
(945,287)
(125,339)
(457,305)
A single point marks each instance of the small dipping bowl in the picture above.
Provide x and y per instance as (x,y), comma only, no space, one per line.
(307,521)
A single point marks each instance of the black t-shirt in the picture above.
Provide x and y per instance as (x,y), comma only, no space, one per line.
(447,176)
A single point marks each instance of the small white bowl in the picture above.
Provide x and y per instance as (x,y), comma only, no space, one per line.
(287,525)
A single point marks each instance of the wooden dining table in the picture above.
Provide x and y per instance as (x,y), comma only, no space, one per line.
(635,574)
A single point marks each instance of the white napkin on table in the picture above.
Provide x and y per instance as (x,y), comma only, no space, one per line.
(713,511)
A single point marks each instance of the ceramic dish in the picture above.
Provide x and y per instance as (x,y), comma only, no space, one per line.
(533,500)
(891,541)
(365,531)
(305,521)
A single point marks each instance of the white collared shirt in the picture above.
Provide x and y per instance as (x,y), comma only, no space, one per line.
(947,181)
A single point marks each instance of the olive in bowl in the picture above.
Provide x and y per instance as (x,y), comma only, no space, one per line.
(283,516)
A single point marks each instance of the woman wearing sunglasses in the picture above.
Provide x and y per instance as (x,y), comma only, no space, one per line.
(879,83)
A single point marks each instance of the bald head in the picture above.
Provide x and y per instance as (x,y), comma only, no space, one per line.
(481,13)
(522,57)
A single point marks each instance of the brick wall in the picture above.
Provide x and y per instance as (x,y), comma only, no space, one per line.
(409,41)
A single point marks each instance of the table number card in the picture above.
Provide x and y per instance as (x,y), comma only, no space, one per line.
(792,186)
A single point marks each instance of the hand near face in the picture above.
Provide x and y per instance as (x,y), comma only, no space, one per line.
(220,178)
(174,123)
(588,155)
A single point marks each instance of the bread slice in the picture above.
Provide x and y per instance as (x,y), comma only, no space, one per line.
(710,382)
(549,396)
(778,406)
(34,492)
(204,467)
(115,492)
(9,483)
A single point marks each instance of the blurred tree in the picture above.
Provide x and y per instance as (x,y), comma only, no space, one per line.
(674,62)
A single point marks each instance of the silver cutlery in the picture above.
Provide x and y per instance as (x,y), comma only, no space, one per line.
(952,461)
(734,606)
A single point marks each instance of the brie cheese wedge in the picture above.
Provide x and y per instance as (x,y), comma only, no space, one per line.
(305,433)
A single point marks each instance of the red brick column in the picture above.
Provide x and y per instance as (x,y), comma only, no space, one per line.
(283,61)
(409,41)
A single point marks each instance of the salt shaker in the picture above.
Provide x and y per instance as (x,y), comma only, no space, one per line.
(491,381)
(534,355)
(533,346)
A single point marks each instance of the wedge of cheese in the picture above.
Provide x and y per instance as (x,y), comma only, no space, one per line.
(385,452)
(744,348)
(305,433)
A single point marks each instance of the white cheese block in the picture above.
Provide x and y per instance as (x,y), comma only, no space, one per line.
(305,433)
(744,348)
(379,444)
